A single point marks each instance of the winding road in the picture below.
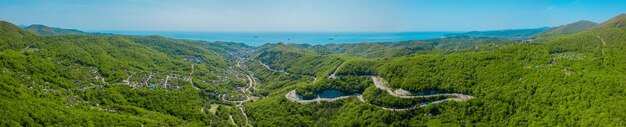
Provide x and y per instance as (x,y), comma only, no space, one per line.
(603,43)
(245,91)
(191,78)
(232,120)
(293,96)
(268,67)
(334,75)
(381,84)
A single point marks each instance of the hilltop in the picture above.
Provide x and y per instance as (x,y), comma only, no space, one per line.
(7,27)
(12,36)
(615,22)
(53,31)
(569,28)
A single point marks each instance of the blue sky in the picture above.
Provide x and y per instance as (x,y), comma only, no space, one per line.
(306,15)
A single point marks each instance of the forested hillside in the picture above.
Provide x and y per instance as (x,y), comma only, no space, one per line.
(568,28)
(497,78)
(113,80)
(402,48)
(51,31)
(569,80)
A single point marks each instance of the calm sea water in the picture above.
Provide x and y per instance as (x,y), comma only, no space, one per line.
(260,38)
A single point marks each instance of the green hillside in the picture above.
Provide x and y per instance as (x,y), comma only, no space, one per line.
(64,77)
(404,48)
(569,28)
(113,80)
(52,31)
(570,80)
(616,22)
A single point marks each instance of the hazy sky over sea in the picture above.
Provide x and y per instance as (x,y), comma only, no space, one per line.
(306,15)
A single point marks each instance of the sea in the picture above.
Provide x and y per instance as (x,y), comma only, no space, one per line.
(313,38)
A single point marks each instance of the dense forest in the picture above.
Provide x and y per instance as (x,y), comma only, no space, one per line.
(113,80)
(559,81)
(568,28)
(571,75)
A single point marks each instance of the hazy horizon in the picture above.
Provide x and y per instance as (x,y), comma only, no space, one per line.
(306,16)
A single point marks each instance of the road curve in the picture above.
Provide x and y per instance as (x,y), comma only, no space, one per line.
(294,97)
(268,67)
(380,84)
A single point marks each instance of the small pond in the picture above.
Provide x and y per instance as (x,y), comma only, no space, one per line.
(331,94)
(428,92)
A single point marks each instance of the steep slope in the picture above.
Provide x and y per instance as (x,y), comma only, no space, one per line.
(12,36)
(569,28)
(112,80)
(570,80)
(50,31)
(7,27)
(615,22)
(292,60)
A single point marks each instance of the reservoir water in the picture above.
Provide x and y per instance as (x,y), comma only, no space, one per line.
(331,94)
(314,38)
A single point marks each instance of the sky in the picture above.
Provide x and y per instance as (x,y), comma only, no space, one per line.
(306,15)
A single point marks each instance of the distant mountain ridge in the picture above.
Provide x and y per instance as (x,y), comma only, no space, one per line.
(53,31)
(571,28)
(10,28)
(12,36)
(509,33)
(617,21)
